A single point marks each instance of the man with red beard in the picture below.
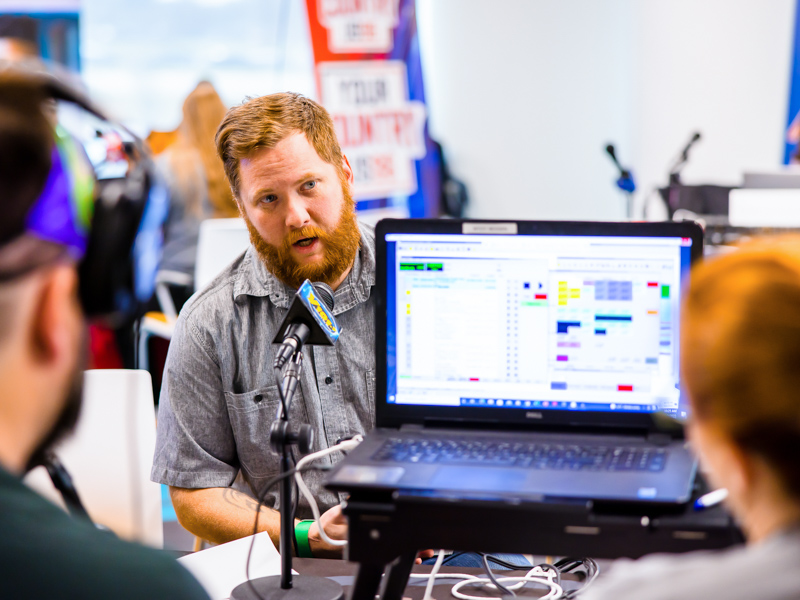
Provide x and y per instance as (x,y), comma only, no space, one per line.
(220,394)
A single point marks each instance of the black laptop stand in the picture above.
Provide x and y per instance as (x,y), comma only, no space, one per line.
(385,533)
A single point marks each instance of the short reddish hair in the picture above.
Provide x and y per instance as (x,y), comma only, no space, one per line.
(740,351)
(265,121)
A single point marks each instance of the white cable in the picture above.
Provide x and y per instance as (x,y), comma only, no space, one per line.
(535,575)
(432,576)
(346,445)
(555,590)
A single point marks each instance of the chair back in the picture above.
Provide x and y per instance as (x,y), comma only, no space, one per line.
(219,242)
(110,455)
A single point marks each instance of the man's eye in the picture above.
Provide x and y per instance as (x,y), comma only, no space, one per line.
(310,185)
(269,199)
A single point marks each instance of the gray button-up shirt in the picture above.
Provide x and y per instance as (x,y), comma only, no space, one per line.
(219,393)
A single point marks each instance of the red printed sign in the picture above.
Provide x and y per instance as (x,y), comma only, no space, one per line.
(382,131)
(358,25)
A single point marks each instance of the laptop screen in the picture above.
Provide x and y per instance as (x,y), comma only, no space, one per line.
(582,323)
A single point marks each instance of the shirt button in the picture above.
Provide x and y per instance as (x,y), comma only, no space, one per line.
(329,380)
(258,398)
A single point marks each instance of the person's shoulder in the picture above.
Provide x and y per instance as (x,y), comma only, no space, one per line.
(367,250)
(367,232)
(218,295)
(46,553)
(719,574)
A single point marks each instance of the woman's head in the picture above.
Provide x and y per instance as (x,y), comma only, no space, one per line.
(740,353)
(203,111)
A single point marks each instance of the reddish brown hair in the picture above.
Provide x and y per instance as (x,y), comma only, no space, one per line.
(203,111)
(264,122)
(741,350)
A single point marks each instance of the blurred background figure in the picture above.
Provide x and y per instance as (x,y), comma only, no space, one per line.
(196,181)
(18,38)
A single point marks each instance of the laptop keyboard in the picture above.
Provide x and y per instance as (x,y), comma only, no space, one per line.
(520,454)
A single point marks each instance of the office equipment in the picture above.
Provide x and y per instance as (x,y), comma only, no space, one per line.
(711,499)
(784,177)
(309,321)
(764,208)
(385,532)
(524,361)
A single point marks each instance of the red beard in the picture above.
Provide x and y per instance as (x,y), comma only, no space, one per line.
(340,247)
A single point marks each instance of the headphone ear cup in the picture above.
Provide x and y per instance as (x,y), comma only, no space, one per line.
(107,278)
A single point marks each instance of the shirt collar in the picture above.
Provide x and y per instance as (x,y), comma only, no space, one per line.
(253,278)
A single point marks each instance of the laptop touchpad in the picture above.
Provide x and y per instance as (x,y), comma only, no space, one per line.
(478,478)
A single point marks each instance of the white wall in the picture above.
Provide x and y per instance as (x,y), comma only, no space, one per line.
(525,94)
(140,59)
(721,67)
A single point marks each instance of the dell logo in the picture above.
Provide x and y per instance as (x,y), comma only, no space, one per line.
(533,415)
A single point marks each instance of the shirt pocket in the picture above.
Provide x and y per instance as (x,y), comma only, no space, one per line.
(251,416)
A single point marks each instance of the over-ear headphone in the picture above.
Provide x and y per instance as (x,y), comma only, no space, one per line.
(117,271)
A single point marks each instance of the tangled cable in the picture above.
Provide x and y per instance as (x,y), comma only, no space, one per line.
(546,575)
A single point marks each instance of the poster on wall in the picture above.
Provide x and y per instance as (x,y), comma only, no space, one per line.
(369,77)
(792,141)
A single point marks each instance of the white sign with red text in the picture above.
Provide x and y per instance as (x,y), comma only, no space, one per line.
(358,25)
(381,131)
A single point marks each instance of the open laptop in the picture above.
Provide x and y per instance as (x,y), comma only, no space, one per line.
(526,361)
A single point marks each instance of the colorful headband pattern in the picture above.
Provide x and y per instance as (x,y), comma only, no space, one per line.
(63,212)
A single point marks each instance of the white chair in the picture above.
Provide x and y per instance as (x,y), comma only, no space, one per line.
(218,243)
(160,324)
(110,455)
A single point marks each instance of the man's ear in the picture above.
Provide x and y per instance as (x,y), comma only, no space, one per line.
(55,312)
(348,170)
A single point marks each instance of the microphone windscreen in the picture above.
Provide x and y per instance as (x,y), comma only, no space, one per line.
(325,292)
(611,151)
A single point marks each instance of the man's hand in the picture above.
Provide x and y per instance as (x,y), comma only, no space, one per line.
(335,525)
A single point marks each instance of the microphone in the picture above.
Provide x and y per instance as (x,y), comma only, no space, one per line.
(694,139)
(613,154)
(309,322)
(625,181)
(684,156)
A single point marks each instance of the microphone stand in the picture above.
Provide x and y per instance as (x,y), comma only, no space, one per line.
(624,182)
(281,438)
(673,196)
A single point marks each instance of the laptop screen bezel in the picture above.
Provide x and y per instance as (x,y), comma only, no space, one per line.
(396,415)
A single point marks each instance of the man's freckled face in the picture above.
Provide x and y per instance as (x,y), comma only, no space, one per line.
(300,212)
(289,187)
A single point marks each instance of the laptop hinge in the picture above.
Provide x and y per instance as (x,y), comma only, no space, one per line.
(658,438)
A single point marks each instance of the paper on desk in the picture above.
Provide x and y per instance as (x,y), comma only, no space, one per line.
(222,568)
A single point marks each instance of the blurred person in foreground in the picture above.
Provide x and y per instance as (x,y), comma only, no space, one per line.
(44,552)
(740,356)
(195,178)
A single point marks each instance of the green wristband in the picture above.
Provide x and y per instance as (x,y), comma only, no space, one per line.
(301,533)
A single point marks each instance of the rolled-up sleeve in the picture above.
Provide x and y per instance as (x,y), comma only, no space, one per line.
(195,446)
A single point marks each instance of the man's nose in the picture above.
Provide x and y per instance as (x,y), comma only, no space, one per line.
(296,212)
